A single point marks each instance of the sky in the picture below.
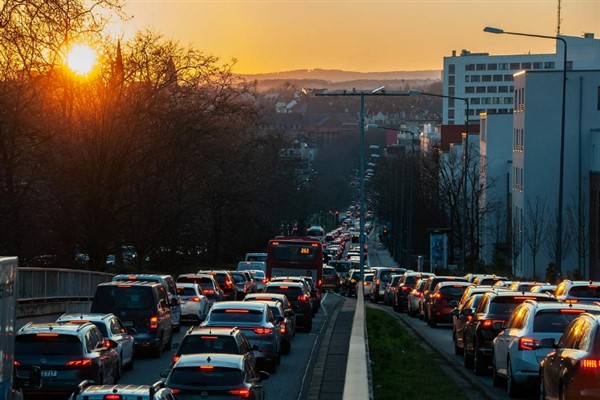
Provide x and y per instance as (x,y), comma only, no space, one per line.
(267,36)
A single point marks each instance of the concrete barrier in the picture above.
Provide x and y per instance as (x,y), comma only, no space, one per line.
(357,381)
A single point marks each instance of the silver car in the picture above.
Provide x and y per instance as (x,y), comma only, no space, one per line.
(257,321)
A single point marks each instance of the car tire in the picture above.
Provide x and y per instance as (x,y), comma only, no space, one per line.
(542,387)
(169,344)
(497,380)
(457,350)
(158,348)
(117,373)
(479,365)
(467,360)
(131,363)
(512,387)
(308,326)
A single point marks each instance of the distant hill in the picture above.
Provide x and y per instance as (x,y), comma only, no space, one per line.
(336,76)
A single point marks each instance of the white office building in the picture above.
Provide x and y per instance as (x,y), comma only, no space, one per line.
(486,81)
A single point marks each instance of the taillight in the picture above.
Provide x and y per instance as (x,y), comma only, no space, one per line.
(377,282)
(302,298)
(175,391)
(80,363)
(16,363)
(404,288)
(352,280)
(437,296)
(528,344)
(283,327)
(489,323)
(112,396)
(589,365)
(153,322)
(194,299)
(175,359)
(319,282)
(263,331)
(366,283)
(240,393)
(208,291)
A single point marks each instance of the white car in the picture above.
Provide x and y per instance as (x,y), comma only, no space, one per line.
(366,284)
(112,328)
(194,304)
(516,351)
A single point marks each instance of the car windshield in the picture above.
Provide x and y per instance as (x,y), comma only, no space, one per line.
(47,344)
(207,344)
(127,297)
(591,291)
(205,377)
(453,291)
(238,278)
(235,315)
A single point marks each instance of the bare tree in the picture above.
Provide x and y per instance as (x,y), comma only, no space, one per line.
(535,228)
(551,243)
(517,239)
(579,226)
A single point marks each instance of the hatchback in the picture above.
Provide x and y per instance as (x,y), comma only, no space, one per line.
(210,287)
(578,291)
(516,353)
(432,282)
(214,375)
(443,300)
(111,328)
(88,391)
(414,297)
(257,322)
(366,284)
(300,299)
(288,308)
(71,353)
(193,302)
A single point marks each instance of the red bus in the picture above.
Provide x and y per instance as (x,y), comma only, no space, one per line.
(295,256)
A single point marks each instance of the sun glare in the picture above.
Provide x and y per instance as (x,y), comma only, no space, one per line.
(81,59)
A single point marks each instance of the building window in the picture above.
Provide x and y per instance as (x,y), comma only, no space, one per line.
(474,100)
(508,100)
(467,78)
(515,66)
(475,78)
(549,65)
(451,103)
(486,78)
(483,130)
(451,114)
(503,89)
(451,91)
(492,89)
(598,97)
(498,78)
(470,89)
(508,78)
(451,80)
(480,67)
(503,66)
(451,68)
(478,111)
(470,67)
(486,100)
(480,89)
(538,65)
(526,65)
(492,67)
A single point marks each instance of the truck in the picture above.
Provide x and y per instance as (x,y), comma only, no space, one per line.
(10,383)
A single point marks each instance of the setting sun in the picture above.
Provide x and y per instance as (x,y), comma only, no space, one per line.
(81,59)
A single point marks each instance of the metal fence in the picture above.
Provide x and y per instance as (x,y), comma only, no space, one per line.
(57,284)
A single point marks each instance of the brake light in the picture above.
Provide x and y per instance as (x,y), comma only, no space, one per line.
(194,299)
(46,334)
(404,288)
(302,298)
(366,283)
(528,344)
(175,391)
(437,296)
(265,280)
(124,286)
(80,363)
(206,368)
(209,337)
(284,287)
(377,282)
(153,322)
(263,331)
(589,365)
(237,311)
(319,283)
(524,298)
(240,393)
(16,363)
(208,291)
(283,327)
(489,323)
(112,396)
(175,359)
(132,277)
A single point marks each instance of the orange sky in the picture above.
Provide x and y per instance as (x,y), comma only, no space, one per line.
(357,35)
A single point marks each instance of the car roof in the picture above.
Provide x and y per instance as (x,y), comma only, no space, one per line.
(235,361)
(207,330)
(61,328)
(283,283)
(127,391)
(85,317)
(549,305)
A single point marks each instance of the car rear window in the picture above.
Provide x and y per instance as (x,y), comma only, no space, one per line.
(411,279)
(329,271)
(47,344)
(238,278)
(194,279)
(368,278)
(291,292)
(124,297)
(591,291)
(554,321)
(506,305)
(204,378)
(208,344)
(186,291)
(235,315)
(453,291)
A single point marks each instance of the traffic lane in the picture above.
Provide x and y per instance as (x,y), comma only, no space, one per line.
(440,339)
(292,379)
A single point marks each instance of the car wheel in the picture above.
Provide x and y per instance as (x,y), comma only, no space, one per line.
(479,365)
(512,387)
(496,379)
(457,350)
(131,363)
(158,348)
(542,389)
(169,344)
(117,373)
(308,326)
(467,360)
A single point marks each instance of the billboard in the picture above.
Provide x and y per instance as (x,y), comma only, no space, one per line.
(438,250)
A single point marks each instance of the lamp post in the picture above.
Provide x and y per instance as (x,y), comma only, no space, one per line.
(465,167)
(559,216)
(361,173)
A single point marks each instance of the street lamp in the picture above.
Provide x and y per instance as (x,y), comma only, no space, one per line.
(361,174)
(465,165)
(559,216)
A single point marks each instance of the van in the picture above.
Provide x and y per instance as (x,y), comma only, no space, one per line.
(256,257)
(168,283)
(252,265)
(141,305)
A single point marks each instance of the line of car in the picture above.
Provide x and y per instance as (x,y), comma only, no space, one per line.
(532,336)
(233,337)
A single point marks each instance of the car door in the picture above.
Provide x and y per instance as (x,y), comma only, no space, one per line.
(96,347)
(120,335)
(554,362)
(512,332)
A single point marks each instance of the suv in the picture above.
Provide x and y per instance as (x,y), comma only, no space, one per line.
(517,354)
(200,339)
(111,328)
(487,321)
(300,299)
(244,283)
(68,353)
(381,278)
(405,285)
(210,287)
(442,301)
(169,284)
(158,391)
(141,305)
(430,285)
(578,291)
(226,283)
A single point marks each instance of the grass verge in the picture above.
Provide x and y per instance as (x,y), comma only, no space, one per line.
(400,367)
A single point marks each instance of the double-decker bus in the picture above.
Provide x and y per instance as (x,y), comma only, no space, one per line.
(295,256)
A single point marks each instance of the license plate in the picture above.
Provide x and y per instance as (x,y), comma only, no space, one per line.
(48,373)
(127,323)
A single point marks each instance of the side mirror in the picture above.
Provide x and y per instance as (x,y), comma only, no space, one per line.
(174,301)
(279,319)
(467,311)
(164,373)
(263,376)
(132,331)
(255,347)
(547,343)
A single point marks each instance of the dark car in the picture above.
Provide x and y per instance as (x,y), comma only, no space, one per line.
(199,339)
(226,283)
(288,308)
(349,281)
(405,285)
(67,354)
(331,279)
(381,278)
(389,293)
(300,299)
(487,321)
(210,287)
(444,298)
(430,285)
(572,369)
(470,299)
(141,305)
(215,376)
(244,282)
